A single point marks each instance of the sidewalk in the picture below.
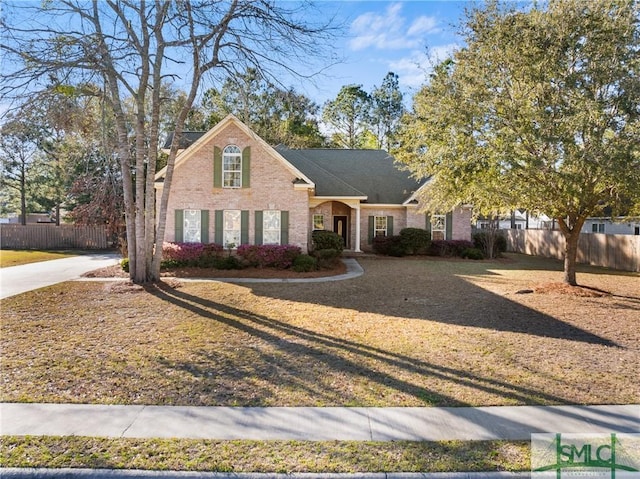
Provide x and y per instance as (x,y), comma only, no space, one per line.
(314,424)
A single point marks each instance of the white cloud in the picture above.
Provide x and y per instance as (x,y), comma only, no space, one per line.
(389,30)
(423,25)
(414,69)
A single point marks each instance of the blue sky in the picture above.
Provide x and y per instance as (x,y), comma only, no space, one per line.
(381,36)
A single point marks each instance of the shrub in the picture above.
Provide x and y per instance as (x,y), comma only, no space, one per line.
(388,245)
(327,240)
(226,262)
(490,242)
(268,256)
(415,240)
(124,264)
(327,258)
(190,254)
(182,254)
(472,253)
(449,247)
(304,263)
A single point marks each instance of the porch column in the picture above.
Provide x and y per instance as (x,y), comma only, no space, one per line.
(357,248)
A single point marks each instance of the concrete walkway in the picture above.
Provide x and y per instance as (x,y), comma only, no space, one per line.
(20,279)
(312,423)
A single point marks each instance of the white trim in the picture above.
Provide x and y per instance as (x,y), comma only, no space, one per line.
(369,206)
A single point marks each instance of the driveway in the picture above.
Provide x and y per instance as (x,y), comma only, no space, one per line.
(20,279)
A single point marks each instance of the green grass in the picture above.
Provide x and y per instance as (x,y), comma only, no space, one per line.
(264,456)
(18,257)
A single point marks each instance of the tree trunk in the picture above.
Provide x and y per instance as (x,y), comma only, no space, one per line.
(570,228)
(570,254)
(23,197)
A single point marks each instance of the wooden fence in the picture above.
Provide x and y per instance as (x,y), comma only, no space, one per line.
(621,252)
(48,236)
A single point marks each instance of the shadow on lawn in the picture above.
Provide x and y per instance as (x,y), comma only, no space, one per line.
(441,295)
(296,357)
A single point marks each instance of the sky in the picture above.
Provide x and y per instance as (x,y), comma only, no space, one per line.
(404,37)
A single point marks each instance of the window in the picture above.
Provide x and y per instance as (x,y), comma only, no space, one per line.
(636,230)
(318,222)
(192,224)
(232,167)
(380,226)
(438,227)
(271,227)
(232,227)
(597,228)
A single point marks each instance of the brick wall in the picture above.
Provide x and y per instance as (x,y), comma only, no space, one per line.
(461,224)
(271,187)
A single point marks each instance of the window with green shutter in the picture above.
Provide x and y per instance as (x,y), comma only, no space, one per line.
(246,167)
(244,227)
(272,227)
(179,226)
(217,167)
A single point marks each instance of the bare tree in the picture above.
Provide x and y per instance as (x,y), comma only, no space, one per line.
(132,47)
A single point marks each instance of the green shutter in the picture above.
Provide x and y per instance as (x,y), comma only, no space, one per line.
(246,167)
(218,227)
(259,227)
(284,227)
(204,226)
(449,226)
(389,225)
(427,224)
(244,227)
(179,226)
(372,225)
(217,167)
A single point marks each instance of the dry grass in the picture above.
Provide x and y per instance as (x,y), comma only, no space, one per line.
(17,257)
(264,456)
(408,333)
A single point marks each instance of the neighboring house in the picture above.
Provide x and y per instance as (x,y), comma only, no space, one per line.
(230,187)
(612,226)
(520,221)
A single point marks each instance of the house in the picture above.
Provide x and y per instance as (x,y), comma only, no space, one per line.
(230,187)
(519,220)
(622,225)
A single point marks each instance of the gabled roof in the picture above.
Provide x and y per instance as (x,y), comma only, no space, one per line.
(370,173)
(204,138)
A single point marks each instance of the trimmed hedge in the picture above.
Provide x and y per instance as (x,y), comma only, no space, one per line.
(305,263)
(389,245)
(449,247)
(269,256)
(415,240)
(327,240)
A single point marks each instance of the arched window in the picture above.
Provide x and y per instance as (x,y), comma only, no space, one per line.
(231,167)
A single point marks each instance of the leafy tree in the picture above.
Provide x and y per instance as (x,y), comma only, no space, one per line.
(387,110)
(132,48)
(539,111)
(349,116)
(19,160)
(276,115)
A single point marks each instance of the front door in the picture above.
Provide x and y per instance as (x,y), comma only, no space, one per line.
(340,227)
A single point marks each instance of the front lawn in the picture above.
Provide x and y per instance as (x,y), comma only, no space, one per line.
(9,257)
(263,456)
(409,332)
